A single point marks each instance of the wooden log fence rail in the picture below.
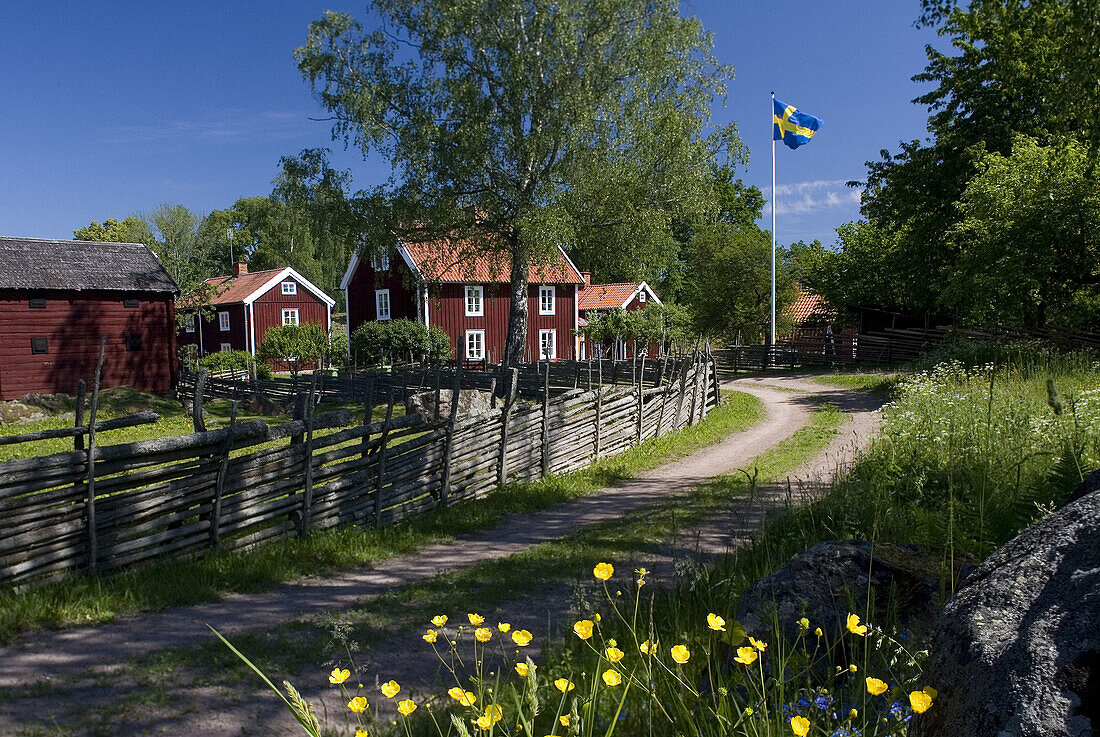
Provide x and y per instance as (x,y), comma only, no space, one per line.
(102,508)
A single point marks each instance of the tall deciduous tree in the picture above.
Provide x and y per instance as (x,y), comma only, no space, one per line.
(526,124)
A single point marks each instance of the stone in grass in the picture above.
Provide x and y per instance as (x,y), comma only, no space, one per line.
(12,412)
(1017,649)
(834,578)
(470,402)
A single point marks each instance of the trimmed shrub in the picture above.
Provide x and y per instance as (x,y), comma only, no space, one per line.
(399,341)
(239,362)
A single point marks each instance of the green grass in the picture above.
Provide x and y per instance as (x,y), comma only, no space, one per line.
(84,599)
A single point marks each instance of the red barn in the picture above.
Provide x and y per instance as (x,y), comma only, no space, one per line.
(467,294)
(629,296)
(248,304)
(58,297)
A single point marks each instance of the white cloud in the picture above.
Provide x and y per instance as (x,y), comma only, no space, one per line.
(807,198)
(228,126)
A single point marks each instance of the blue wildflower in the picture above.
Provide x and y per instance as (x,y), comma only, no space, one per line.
(823,702)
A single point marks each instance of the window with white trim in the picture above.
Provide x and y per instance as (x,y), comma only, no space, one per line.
(475,301)
(290,317)
(380,261)
(475,345)
(548,344)
(546,299)
(290,287)
(223,321)
(382,304)
(641,296)
(226,347)
(189,326)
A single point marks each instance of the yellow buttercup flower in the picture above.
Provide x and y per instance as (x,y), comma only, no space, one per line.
(583,629)
(920,701)
(642,573)
(564,685)
(483,634)
(875,686)
(504,627)
(853,668)
(463,697)
(358,704)
(338,676)
(564,720)
(800,726)
(603,571)
(439,620)
(746,655)
(804,623)
(494,712)
(818,632)
(613,654)
(455,693)
(680,654)
(853,713)
(611,677)
(759,646)
(430,636)
(406,707)
(854,626)
(522,669)
(475,619)
(521,638)
(648,648)
(484,722)
(390,689)
(361,733)
(596,617)
(716,623)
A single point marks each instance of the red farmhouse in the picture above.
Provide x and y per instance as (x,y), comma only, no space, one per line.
(247,305)
(467,295)
(597,298)
(58,297)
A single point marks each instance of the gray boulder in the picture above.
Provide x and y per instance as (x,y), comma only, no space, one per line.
(1016,651)
(470,402)
(12,412)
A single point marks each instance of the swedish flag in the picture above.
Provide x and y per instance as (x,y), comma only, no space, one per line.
(792,127)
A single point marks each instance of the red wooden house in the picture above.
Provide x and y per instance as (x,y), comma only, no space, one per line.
(466,293)
(597,298)
(248,304)
(58,297)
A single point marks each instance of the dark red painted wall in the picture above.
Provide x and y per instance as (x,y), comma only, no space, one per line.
(268,308)
(72,322)
(213,336)
(364,283)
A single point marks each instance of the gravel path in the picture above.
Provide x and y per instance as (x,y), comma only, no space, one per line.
(56,673)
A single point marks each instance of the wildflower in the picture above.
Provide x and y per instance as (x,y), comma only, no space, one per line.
(564,685)
(596,616)
(464,698)
(746,655)
(852,668)
(680,654)
(647,648)
(760,646)
(475,619)
(521,638)
(853,713)
(583,629)
(430,636)
(493,714)
(611,677)
(716,623)
(406,707)
(390,689)
(361,733)
(818,632)
(823,702)
(875,686)
(613,654)
(564,719)
(504,627)
(483,634)
(854,626)
(920,701)
(439,620)
(455,693)
(358,704)
(338,676)
(800,726)
(642,573)
(804,624)
(603,571)
(749,711)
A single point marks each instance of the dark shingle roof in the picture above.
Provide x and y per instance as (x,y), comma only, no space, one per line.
(41,263)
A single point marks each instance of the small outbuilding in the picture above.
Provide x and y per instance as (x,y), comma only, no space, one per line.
(597,299)
(58,297)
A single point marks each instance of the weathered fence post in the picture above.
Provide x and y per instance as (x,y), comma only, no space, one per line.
(307,496)
(456,392)
(197,420)
(505,416)
(89,505)
(589,374)
(683,393)
(382,449)
(219,483)
(665,391)
(694,386)
(546,423)
(78,439)
(638,388)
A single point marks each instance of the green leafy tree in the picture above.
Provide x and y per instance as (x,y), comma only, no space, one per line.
(295,345)
(399,341)
(530,124)
(128,230)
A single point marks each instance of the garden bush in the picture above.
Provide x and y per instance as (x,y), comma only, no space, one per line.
(399,341)
(239,362)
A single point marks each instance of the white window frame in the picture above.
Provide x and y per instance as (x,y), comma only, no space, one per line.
(189,326)
(553,336)
(380,261)
(225,347)
(641,296)
(470,290)
(290,287)
(223,321)
(547,291)
(478,355)
(290,316)
(382,299)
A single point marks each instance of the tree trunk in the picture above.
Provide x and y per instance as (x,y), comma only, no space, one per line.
(516,341)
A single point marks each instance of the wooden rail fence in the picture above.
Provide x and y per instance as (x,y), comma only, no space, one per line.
(108,507)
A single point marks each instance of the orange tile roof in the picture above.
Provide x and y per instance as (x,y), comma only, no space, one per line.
(807,306)
(605,296)
(233,289)
(450,261)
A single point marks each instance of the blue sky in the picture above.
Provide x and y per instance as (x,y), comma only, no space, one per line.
(114,108)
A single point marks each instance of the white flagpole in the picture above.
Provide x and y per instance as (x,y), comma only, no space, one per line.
(773,220)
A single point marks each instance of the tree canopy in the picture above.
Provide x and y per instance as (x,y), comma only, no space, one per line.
(529,124)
